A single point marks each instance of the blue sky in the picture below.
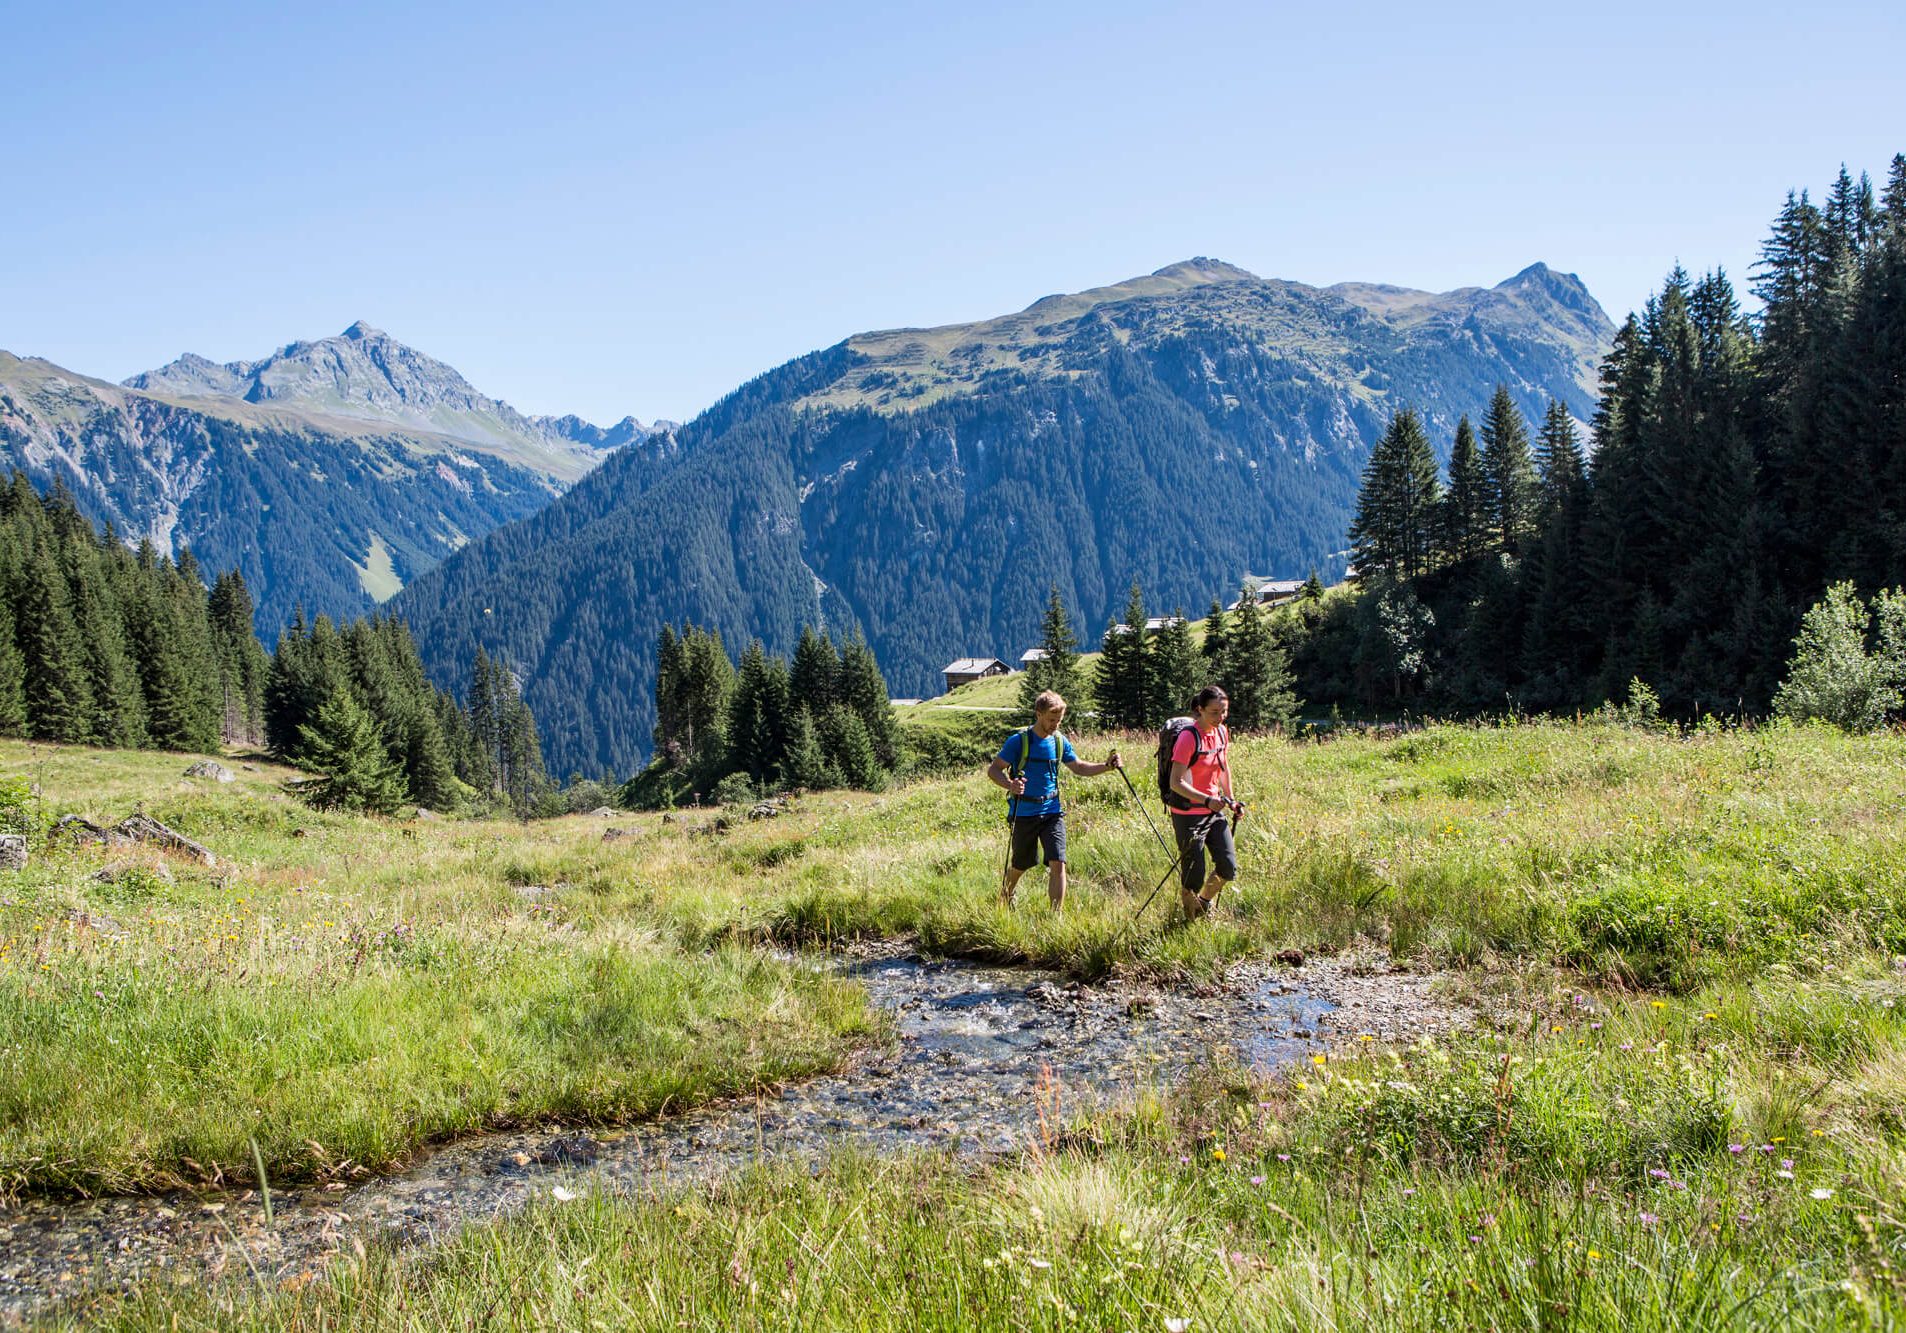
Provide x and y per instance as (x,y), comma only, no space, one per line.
(610,209)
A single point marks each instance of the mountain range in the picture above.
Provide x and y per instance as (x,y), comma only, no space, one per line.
(927,486)
(330,473)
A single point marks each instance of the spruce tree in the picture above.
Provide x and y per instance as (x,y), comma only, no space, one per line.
(1509,474)
(814,675)
(1258,673)
(1058,670)
(119,712)
(757,715)
(1395,532)
(344,746)
(862,688)
(806,762)
(1123,685)
(59,696)
(13,712)
(1216,645)
(849,749)
(1466,529)
(1174,671)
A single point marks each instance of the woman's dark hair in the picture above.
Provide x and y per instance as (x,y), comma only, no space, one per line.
(1210,694)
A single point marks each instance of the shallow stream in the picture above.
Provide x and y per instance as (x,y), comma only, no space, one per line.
(982,1053)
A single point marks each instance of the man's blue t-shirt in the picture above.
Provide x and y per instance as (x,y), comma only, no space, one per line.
(1041,770)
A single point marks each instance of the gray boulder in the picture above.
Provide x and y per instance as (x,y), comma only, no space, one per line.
(12,851)
(215,771)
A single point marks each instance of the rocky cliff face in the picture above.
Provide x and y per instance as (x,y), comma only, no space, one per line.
(929,485)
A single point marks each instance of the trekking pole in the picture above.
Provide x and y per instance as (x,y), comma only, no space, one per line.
(1143,811)
(1197,841)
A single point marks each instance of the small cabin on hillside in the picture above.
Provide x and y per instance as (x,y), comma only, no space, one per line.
(1273,592)
(1031,658)
(969,669)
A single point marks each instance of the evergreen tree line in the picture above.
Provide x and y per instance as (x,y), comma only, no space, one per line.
(103,645)
(820,720)
(1741,466)
(1145,676)
(353,703)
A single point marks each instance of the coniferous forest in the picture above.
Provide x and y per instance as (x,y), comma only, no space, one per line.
(104,645)
(1741,465)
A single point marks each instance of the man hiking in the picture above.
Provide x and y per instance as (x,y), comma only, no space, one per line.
(1200,794)
(1027,767)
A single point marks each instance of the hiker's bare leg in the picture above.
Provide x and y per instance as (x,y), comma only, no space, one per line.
(1056,884)
(1009,885)
(1212,888)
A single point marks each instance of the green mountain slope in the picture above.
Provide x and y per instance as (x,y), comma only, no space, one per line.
(1181,428)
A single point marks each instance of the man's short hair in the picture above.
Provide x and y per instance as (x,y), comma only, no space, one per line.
(1046,701)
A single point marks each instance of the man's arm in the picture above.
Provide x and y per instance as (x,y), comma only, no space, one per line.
(1085,770)
(999,773)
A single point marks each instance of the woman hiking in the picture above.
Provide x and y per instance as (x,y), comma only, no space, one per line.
(1027,767)
(1200,793)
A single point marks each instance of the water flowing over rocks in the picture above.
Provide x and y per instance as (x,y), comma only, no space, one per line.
(979,1051)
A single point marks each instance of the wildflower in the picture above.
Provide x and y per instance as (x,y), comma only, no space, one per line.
(1787,1162)
(1821,1192)
(1627,1046)
(1318,1058)
(1737,1148)
(1217,1154)
(1039,1263)
(1657,1173)
(1710,1014)
(1556,1028)
(1177,1325)
(1475,1240)
(1594,1254)
(1183,1160)
(1302,1086)
(562,1195)
(1594,1027)
(1366,1036)
(1283,1157)
(1819,1133)
(1408,1192)
(1657,1004)
(1784,1174)
(1257,1180)
(1649,1219)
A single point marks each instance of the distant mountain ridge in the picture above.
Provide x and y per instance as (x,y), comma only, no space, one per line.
(330,473)
(364,374)
(929,484)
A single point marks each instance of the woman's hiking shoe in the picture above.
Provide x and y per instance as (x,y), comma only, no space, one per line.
(1194,906)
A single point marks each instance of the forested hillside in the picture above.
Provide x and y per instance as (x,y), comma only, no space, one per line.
(929,486)
(1742,466)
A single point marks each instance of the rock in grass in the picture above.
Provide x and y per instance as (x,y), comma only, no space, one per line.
(604,812)
(12,851)
(144,828)
(208,769)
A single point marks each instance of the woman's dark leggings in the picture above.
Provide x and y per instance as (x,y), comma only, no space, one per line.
(1224,853)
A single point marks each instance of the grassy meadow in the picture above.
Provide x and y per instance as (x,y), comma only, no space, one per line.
(1691,1113)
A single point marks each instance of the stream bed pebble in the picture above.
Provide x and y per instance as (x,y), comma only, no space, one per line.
(980,1052)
